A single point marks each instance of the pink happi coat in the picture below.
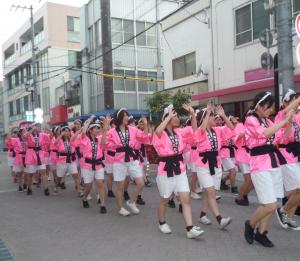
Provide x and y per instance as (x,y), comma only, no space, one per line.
(53,151)
(255,137)
(294,136)
(31,155)
(164,147)
(223,133)
(242,153)
(85,145)
(60,146)
(10,147)
(225,152)
(20,149)
(136,136)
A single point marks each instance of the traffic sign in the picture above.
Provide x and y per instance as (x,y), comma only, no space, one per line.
(297,24)
(266,38)
(267,61)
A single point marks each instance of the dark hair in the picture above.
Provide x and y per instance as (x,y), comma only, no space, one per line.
(119,116)
(131,120)
(201,115)
(112,121)
(188,122)
(269,100)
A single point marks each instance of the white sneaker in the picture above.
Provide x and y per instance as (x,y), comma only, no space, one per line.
(124,212)
(194,232)
(198,190)
(205,220)
(89,197)
(225,222)
(133,207)
(195,195)
(165,228)
(49,178)
(218,197)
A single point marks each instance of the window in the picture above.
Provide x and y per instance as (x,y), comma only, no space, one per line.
(11,108)
(122,31)
(250,21)
(184,66)
(18,106)
(149,37)
(91,38)
(116,31)
(296,7)
(9,82)
(46,100)
(98,34)
(147,86)
(128,28)
(123,84)
(26,103)
(73,24)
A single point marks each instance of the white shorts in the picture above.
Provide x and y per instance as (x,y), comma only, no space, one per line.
(89,175)
(207,180)
(187,157)
(47,161)
(291,176)
(244,168)
(121,170)
(63,169)
(268,185)
(10,161)
(228,164)
(166,186)
(108,168)
(18,169)
(32,169)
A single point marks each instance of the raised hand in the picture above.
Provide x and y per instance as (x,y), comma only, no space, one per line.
(144,120)
(188,108)
(220,110)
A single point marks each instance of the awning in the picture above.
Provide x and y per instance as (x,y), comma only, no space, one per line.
(134,113)
(257,85)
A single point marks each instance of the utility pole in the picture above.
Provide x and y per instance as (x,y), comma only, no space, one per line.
(107,54)
(285,44)
(158,43)
(35,100)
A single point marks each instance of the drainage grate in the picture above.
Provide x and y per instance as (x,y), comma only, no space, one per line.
(4,253)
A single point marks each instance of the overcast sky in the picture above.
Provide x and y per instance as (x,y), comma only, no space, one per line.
(11,20)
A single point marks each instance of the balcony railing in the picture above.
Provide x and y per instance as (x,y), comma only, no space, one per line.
(10,59)
(37,39)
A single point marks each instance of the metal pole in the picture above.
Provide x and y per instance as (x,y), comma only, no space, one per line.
(285,44)
(276,84)
(35,101)
(158,43)
(107,54)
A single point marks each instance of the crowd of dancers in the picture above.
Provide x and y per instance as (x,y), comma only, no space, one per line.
(192,160)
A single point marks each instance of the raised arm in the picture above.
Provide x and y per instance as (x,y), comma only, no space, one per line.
(221,112)
(161,127)
(190,109)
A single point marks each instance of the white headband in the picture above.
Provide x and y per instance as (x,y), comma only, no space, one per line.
(262,99)
(55,129)
(204,110)
(287,96)
(94,125)
(167,110)
(130,117)
(65,127)
(122,109)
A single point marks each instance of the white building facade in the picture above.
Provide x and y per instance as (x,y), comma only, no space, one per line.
(217,42)
(57,42)
(140,57)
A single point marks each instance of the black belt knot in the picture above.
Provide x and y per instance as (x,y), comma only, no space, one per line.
(211,158)
(129,152)
(70,156)
(231,150)
(271,150)
(172,166)
(292,147)
(94,162)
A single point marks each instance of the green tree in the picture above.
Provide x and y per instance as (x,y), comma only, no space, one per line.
(159,100)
